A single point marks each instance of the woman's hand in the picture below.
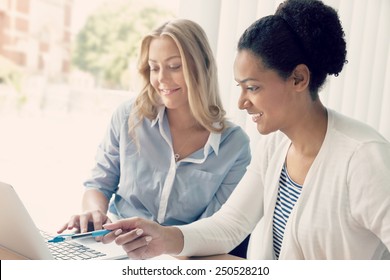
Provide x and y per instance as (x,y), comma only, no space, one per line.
(82,221)
(144,239)
(95,205)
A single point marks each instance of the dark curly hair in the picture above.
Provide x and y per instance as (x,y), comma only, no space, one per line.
(300,32)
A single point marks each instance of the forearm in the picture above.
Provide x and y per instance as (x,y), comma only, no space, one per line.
(94,200)
(224,230)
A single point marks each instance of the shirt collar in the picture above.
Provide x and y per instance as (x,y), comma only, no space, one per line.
(159,117)
(214,141)
(214,138)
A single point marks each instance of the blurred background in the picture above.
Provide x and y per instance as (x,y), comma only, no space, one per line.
(65,65)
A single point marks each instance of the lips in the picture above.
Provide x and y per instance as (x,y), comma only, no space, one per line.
(256,117)
(168,91)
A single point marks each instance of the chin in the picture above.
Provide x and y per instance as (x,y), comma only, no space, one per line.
(264,131)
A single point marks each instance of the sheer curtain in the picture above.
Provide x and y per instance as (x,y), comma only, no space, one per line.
(361,91)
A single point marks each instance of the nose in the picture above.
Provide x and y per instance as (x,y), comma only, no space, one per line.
(162,76)
(243,103)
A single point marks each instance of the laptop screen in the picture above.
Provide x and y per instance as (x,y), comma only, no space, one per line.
(18,232)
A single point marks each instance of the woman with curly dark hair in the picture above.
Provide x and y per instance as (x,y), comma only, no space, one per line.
(319,182)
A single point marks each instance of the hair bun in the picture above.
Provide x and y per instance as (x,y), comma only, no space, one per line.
(319,28)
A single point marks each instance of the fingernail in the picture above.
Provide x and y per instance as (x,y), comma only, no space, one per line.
(148,238)
(139,232)
(118,231)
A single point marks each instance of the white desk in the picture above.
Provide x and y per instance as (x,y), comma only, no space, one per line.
(6,254)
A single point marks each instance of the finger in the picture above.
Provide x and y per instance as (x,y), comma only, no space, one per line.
(83,220)
(97,220)
(113,226)
(137,248)
(108,238)
(129,236)
(144,252)
(137,254)
(125,224)
(61,229)
(97,223)
(74,222)
(108,221)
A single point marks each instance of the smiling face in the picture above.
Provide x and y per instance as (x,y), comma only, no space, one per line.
(166,72)
(264,94)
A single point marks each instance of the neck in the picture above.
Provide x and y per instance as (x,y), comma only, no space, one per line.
(181,119)
(308,130)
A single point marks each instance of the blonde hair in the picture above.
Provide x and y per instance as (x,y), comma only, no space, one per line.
(200,74)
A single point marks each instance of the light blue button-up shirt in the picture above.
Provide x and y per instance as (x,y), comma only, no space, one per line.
(147,181)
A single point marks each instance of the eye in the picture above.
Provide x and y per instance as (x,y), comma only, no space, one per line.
(175,67)
(252,88)
(153,68)
(248,88)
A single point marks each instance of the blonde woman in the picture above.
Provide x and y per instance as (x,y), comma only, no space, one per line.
(170,155)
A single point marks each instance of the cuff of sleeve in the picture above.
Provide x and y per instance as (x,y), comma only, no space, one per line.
(187,250)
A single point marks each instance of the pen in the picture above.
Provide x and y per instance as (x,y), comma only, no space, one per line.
(63,237)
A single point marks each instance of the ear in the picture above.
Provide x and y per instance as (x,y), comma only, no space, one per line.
(301,77)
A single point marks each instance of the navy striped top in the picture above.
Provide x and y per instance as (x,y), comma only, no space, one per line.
(288,194)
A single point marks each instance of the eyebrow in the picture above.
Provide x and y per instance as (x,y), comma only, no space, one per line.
(169,58)
(246,80)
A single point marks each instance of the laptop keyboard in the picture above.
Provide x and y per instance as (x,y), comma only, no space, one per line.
(70,250)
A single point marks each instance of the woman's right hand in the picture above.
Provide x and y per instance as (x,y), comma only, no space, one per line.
(81,222)
(144,239)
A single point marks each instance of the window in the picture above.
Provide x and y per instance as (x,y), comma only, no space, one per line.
(53,113)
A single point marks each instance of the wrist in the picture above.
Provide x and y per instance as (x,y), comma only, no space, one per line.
(174,240)
(94,200)
(94,209)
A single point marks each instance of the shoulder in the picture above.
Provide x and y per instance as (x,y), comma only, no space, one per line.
(364,148)
(353,131)
(234,131)
(122,112)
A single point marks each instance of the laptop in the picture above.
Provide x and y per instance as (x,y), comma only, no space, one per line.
(19,234)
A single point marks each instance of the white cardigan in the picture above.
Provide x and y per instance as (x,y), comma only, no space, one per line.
(342,213)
